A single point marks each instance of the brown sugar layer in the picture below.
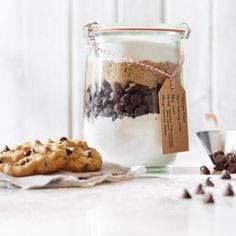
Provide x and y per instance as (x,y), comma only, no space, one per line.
(124,72)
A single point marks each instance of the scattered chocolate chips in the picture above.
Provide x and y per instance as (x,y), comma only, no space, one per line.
(224,161)
(200,189)
(209,183)
(217,155)
(231,168)
(209,199)
(68,151)
(229,192)
(116,101)
(204,170)
(186,194)
(219,166)
(225,175)
(62,139)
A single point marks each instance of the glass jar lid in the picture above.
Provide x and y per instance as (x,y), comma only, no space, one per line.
(95,30)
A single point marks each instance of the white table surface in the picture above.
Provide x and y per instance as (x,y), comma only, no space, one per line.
(149,205)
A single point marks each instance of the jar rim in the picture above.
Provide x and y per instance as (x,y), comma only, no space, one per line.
(94,29)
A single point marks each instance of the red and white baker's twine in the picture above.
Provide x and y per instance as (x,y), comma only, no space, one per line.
(150,67)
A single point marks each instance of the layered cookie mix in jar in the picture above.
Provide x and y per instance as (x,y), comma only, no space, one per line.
(125,72)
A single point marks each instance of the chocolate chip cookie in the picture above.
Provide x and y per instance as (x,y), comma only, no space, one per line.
(32,158)
(80,157)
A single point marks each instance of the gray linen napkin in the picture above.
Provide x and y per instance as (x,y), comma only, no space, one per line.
(109,173)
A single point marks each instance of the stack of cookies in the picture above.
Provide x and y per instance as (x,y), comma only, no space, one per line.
(34,158)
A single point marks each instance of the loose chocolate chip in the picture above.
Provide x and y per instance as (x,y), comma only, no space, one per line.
(129,108)
(147,100)
(139,111)
(119,108)
(209,199)
(62,139)
(130,90)
(107,92)
(116,87)
(219,166)
(145,90)
(114,97)
(87,153)
(186,194)
(204,170)
(68,151)
(105,101)
(231,157)
(225,175)
(229,192)
(105,85)
(6,149)
(200,189)
(218,157)
(136,99)
(231,168)
(107,111)
(1,161)
(125,100)
(209,183)
(151,108)
(137,87)
(28,153)
(98,101)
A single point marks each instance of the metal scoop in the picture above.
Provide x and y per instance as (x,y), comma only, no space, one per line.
(216,140)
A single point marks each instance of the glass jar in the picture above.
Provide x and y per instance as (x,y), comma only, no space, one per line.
(121,109)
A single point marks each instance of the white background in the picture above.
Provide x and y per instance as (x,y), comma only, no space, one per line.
(42,60)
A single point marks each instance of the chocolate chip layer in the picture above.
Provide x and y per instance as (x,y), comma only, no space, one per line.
(113,100)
